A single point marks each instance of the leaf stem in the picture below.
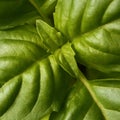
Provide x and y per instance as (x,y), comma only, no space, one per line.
(40,12)
(83,79)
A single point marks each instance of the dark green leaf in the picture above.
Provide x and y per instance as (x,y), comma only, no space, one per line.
(14,13)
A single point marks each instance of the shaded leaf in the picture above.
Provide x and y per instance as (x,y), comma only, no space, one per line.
(45,9)
(14,13)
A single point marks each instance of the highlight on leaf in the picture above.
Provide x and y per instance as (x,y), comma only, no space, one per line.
(59,60)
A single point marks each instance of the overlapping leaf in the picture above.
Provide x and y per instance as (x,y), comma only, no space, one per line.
(30,78)
(14,13)
(79,16)
(100,48)
(98,28)
(34,62)
(79,104)
(45,9)
(96,47)
(98,92)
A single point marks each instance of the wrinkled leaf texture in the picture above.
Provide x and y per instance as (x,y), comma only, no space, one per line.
(30,78)
(93,29)
(33,64)
(79,104)
(93,26)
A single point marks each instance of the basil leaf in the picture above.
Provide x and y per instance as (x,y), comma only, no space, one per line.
(94,31)
(14,13)
(99,48)
(38,62)
(30,78)
(45,9)
(80,105)
(51,38)
(79,16)
(46,6)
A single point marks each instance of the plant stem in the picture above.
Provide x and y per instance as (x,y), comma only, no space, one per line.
(86,83)
(40,12)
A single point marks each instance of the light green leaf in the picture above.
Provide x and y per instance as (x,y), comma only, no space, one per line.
(30,78)
(100,48)
(51,38)
(65,57)
(34,61)
(79,104)
(79,16)
(46,117)
(103,108)
(94,30)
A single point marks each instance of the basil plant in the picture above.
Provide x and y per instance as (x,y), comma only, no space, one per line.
(59,59)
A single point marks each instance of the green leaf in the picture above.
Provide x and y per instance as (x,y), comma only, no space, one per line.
(80,105)
(65,57)
(46,117)
(45,9)
(94,30)
(7,9)
(57,44)
(79,16)
(103,107)
(30,78)
(35,60)
(99,48)
(51,38)
(14,13)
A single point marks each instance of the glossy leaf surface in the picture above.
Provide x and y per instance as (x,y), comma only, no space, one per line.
(30,78)
(79,16)
(79,104)
(38,62)
(94,30)
(99,48)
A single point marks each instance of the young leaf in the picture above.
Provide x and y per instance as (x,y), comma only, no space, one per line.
(51,38)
